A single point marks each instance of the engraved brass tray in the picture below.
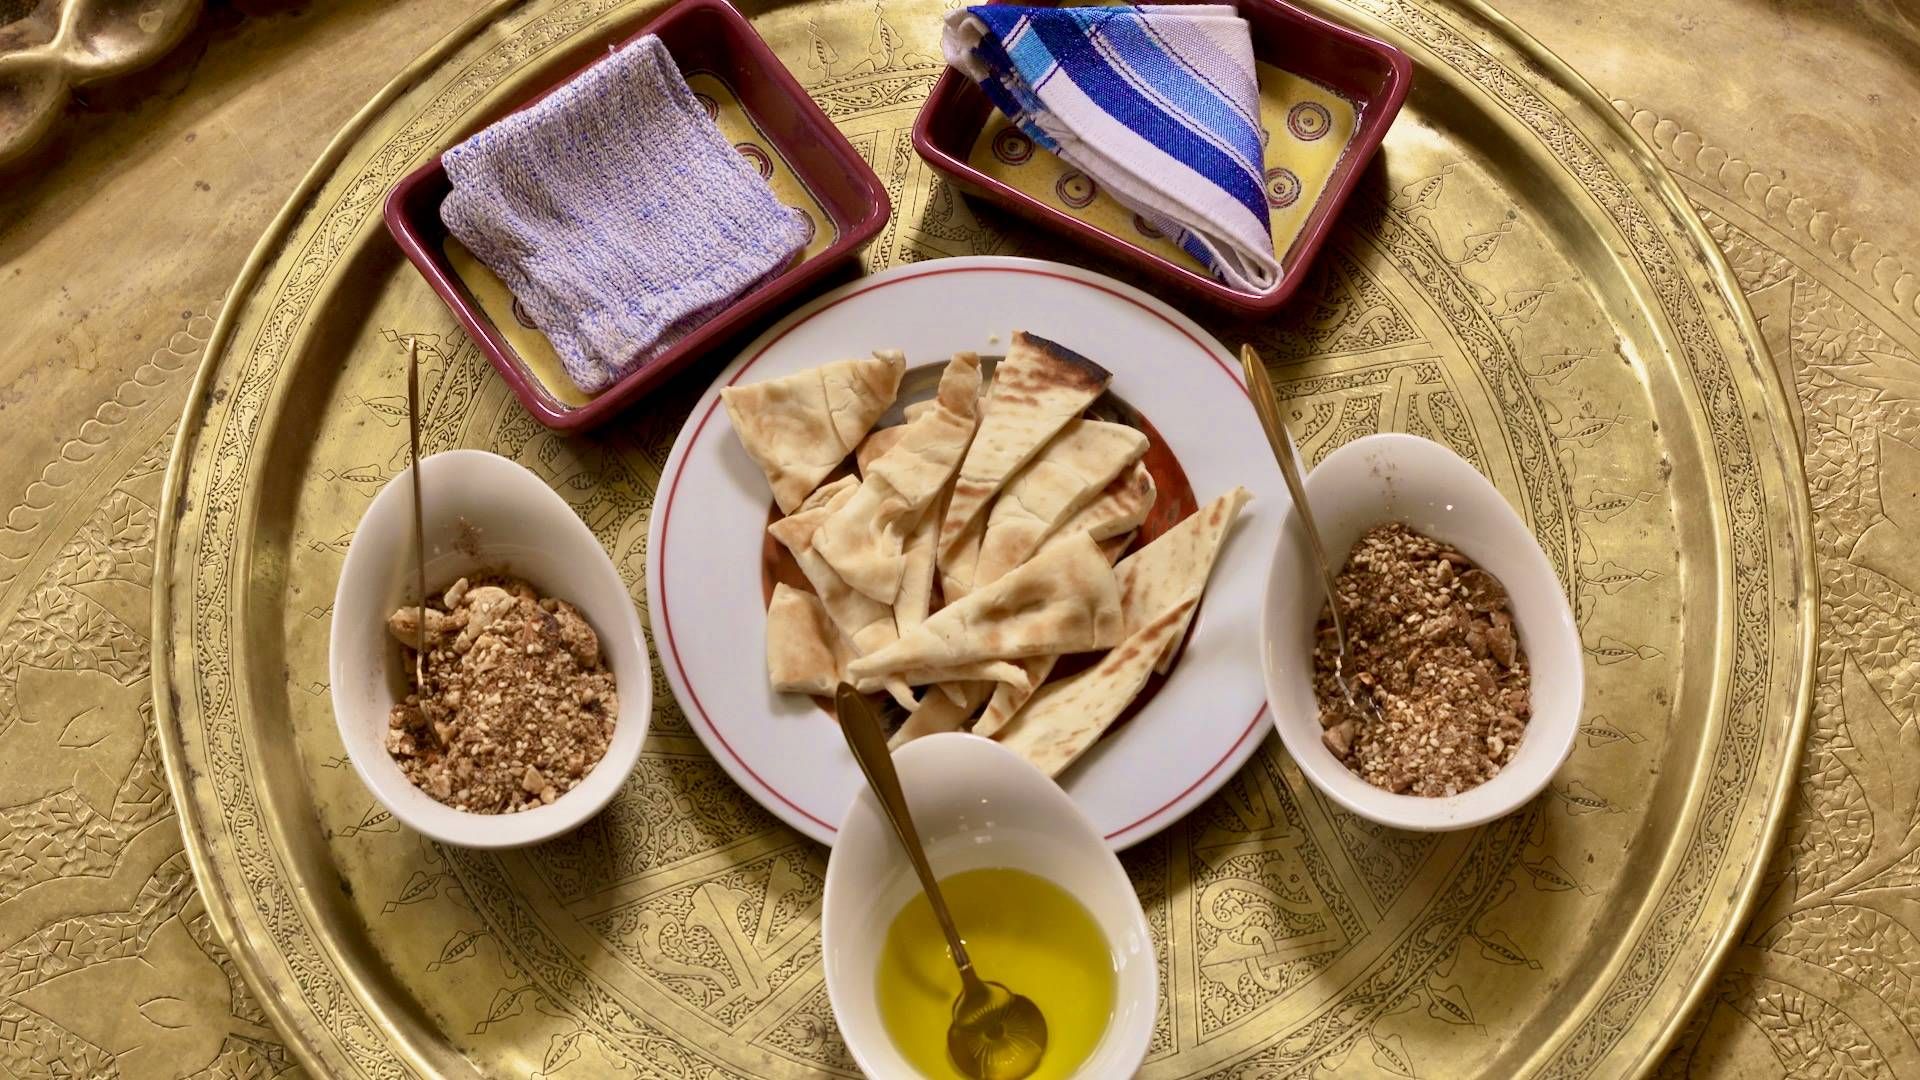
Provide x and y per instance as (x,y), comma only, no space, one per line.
(1517,278)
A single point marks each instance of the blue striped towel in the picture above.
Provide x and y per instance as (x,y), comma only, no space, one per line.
(1158,104)
(617,213)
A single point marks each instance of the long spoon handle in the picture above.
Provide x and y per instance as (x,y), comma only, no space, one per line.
(419,527)
(1267,406)
(861,725)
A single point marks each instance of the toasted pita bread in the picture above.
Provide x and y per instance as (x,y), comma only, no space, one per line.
(958,566)
(1035,391)
(1120,507)
(800,427)
(1114,547)
(940,712)
(863,540)
(990,671)
(1178,562)
(1066,602)
(1008,697)
(806,653)
(797,528)
(877,442)
(914,602)
(1065,717)
(910,607)
(866,623)
(1069,472)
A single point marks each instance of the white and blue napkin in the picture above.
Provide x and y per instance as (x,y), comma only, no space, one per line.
(617,213)
(1158,104)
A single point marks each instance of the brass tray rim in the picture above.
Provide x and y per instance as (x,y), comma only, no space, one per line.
(221,904)
(1799,508)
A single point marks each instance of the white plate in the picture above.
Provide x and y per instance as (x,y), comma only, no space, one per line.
(704,541)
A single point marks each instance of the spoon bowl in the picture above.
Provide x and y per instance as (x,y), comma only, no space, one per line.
(996,1033)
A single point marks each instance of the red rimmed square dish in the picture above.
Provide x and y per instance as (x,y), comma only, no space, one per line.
(761,108)
(1328,94)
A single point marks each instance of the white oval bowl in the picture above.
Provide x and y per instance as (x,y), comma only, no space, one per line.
(519,526)
(976,804)
(1405,478)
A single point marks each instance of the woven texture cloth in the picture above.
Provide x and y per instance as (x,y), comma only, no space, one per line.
(617,213)
(1158,104)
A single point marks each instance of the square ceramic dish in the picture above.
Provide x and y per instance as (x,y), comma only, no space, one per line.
(761,108)
(1327,96)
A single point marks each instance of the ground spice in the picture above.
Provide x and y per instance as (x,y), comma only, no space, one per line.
(518,704)
(1431,647)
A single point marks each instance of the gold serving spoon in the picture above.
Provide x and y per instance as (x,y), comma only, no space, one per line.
(1266,404)
(996,1034)
(419,526)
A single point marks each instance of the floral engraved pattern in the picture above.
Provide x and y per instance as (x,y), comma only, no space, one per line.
(727,944)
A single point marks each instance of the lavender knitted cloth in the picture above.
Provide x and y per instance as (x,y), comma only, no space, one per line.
(617,213)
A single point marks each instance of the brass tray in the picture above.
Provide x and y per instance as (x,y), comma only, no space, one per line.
(1519,278)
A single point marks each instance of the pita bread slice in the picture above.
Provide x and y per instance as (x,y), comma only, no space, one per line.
(914,602)
(1178,562)
(958,566)
(988,671)
(800,427)
(940,712)
(1119,508)
(1065,717)
(1035,391)
(806,653)
(865,622)
(877,442)
(1069,473)
(1114,547)
(797,528)
(1009,696)
(1065,602)
(863,540)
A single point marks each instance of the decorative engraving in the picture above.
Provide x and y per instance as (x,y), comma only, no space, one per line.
(1821,981)
(726,944)
(809,1036)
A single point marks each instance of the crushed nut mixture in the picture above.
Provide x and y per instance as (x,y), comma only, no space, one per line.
(1431,647)
(518,704)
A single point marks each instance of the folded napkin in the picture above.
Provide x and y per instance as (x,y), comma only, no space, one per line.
(617,213)
(1159,104)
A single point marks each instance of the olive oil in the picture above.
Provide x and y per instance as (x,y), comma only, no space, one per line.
(1021,930)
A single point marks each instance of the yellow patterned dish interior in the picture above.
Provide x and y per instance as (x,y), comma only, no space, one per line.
(536,354)
(1306,127)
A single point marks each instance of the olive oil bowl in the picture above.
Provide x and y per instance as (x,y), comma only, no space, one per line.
(1040,899)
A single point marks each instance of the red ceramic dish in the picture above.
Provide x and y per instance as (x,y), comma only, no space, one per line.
(1372,74)
(704,36)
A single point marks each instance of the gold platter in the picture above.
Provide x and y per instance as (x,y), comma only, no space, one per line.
(1518,279)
